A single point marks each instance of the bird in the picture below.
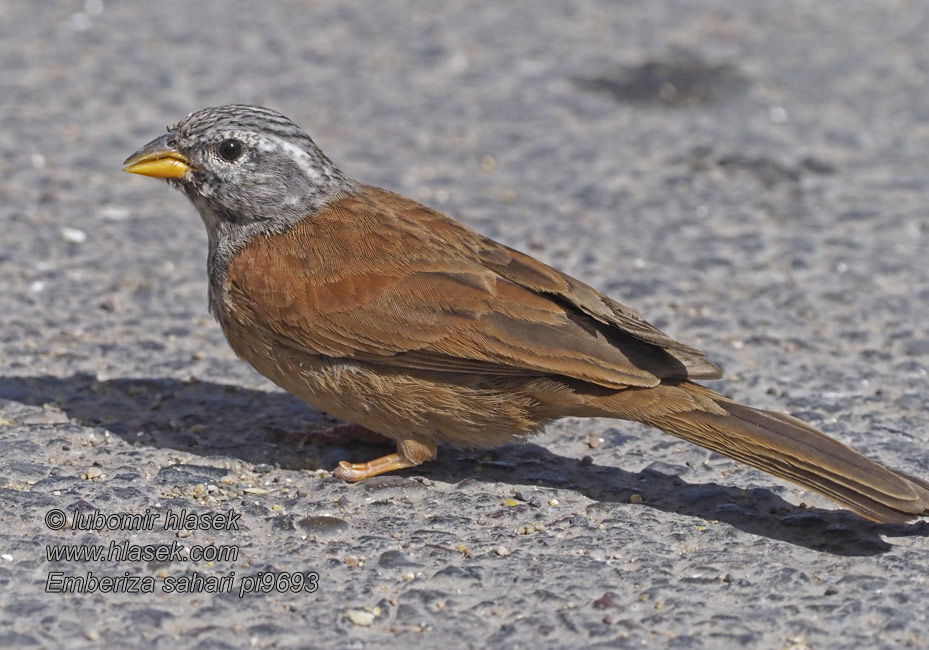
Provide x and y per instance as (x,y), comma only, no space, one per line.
(395,317)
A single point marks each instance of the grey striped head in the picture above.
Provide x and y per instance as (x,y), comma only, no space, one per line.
(251,164)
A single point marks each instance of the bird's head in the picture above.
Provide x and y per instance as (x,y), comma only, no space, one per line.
(247,169)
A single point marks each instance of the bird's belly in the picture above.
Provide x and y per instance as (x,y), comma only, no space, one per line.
(462,410)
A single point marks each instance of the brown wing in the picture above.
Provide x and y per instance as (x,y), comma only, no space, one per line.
(377,277)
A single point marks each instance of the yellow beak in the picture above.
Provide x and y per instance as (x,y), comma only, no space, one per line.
(158,159)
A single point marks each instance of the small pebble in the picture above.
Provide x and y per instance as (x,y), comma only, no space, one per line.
(73,235)
(593,440)
(502,551)
(608,599)
(360,617)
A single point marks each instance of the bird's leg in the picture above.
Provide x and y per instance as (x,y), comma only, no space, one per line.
(345,433)
(410,453)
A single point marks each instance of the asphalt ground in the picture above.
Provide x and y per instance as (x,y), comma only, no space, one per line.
(751,176)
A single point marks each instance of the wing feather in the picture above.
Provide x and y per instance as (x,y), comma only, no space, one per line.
(376,277)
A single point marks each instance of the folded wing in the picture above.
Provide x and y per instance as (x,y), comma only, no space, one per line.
(376,277)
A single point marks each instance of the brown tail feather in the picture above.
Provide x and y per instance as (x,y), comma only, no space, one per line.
(775,443)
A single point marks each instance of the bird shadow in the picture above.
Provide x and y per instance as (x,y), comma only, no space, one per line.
(211,419)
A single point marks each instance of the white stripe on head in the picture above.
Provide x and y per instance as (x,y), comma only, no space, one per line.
(307,163)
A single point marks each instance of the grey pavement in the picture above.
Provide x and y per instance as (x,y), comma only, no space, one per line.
(750,176)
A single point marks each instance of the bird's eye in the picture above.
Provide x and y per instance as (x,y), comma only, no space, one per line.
(230,149)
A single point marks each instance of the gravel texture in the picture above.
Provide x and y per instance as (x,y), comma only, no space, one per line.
(751,176)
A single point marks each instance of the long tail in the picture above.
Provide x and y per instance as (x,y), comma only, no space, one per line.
(774,443)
